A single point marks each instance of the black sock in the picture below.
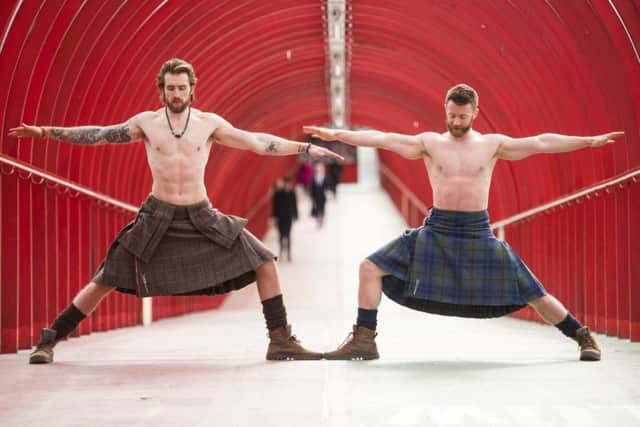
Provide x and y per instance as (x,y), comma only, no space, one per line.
(367,318)
(67,321)
(569,326)
(274,312)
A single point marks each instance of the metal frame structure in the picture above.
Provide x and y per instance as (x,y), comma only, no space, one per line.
(552,66)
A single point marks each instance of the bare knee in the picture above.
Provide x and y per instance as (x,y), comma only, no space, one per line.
(369,270)
(545,301)
(268,269)
(97,289)
(538,302)
(267,280)
(90,296)
(550,309)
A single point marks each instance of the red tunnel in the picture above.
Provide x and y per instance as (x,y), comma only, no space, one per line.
(553,66)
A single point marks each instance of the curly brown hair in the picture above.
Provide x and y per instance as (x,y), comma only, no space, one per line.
(463,94)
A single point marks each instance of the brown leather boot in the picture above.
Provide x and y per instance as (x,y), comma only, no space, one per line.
(284,346)
(43,353)
(589,349)
(359,345)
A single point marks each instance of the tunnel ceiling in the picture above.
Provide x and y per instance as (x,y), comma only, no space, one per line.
(539,66)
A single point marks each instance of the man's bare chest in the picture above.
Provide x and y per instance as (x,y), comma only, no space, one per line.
(162,141)
(466,161)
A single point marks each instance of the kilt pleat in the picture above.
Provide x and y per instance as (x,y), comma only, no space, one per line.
(183,260)
(453,265)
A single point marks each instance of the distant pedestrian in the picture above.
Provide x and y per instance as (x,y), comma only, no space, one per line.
(319,186)
(285,212)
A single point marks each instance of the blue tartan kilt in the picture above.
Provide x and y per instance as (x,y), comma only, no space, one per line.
(454,266)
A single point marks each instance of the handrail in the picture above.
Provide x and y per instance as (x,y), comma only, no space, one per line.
(32,170)
(384,170)
(585,192)
(147,305)
(259,205)
(604,185)
(68,185)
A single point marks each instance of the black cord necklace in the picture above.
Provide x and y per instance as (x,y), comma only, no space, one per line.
(177,135)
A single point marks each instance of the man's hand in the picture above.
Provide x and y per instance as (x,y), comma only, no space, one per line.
(26,131)
(317,152)
(324,134)
(408,146)
(607,138)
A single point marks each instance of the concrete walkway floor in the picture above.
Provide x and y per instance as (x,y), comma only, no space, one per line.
(208,369)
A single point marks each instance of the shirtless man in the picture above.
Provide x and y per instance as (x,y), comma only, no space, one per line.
(179,244)
(453,265)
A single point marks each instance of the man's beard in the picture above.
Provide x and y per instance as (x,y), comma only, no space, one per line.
(176,108)
(458,132)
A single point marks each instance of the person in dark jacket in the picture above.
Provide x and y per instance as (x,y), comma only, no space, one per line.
(285,211)
(335,173)
(319,186)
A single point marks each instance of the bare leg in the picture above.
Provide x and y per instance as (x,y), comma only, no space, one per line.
(268,280)
(282,345)
(370,287)
(550,309)
(360,344)
(83,304)
(553,312)
(90,296)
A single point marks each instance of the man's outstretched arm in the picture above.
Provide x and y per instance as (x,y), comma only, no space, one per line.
(83,135)
(519,148)
(266,144)
(409,146)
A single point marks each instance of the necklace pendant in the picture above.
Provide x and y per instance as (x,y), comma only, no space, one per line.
(177,135)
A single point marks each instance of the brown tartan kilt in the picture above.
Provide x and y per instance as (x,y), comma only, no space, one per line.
(185,261)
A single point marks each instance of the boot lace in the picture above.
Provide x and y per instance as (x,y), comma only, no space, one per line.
(347,340)
(47,345)
(586,341)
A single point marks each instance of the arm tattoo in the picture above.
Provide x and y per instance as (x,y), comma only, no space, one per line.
(117,134)
(272,147)
(85,135)
(90,135)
